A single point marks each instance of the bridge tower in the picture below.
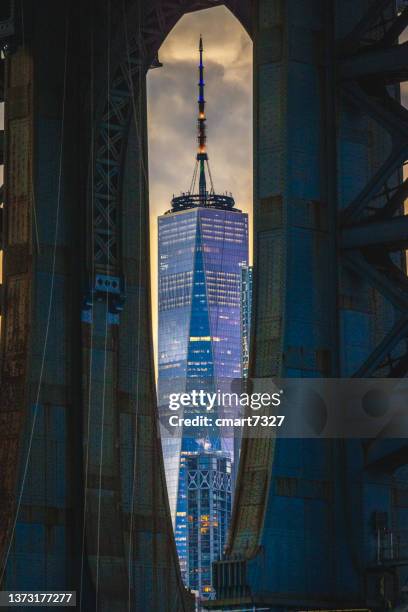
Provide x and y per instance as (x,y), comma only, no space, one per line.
(83,498)
(330,300)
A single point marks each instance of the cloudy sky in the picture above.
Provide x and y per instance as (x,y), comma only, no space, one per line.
(172,114)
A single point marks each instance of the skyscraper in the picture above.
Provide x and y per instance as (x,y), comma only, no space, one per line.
(203,244)
(208,512)
(246,312)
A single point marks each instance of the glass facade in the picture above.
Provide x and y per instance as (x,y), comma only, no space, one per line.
(246,312)
(201,253)
(208,476)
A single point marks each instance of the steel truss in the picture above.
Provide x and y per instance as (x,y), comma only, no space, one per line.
(372,229)
(113,125)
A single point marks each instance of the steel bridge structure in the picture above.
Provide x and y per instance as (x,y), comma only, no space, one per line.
(83,501)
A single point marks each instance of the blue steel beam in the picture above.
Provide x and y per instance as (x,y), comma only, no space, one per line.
(394,118)
(391,234)
(368,64)
(396,294)
(389,64)
(382,108)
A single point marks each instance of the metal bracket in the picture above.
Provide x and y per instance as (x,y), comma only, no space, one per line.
(370,59)
(106,288)
(385,115)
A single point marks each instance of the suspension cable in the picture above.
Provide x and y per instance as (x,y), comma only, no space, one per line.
(106,323)
(89,399)
(142,191)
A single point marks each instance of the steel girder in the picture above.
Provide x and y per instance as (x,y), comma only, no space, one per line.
(366,74)
(383,109)
(391,63)
(382,279)
(380,25)
(391,234)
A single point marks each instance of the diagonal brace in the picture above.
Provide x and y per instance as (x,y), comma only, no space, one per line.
(395,119)
(395,293)
(390,63)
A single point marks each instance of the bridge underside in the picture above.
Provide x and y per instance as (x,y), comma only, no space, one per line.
(81,478)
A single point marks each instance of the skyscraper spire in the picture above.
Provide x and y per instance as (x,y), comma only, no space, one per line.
(201,192)
(202,149)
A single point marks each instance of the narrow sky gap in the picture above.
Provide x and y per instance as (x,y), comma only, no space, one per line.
(172,116)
